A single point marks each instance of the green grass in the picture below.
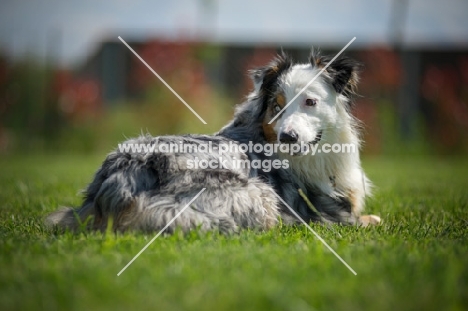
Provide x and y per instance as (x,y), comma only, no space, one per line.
(416,260)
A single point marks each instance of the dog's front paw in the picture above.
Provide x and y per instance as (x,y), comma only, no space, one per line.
(366,220)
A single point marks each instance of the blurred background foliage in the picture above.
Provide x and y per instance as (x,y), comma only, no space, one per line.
(47,109)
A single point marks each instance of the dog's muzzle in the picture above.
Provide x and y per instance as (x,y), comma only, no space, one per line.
(317,138)
(288,137)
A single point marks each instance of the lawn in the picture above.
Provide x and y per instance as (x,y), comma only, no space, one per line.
(416,260)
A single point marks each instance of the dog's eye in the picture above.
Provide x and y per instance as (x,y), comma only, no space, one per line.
(310,102)
(277,108)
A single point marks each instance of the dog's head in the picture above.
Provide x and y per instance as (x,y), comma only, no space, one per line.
(311,107)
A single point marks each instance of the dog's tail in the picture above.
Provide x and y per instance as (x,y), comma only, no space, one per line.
(70,219)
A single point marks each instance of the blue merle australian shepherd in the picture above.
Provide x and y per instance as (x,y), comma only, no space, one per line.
(143,191)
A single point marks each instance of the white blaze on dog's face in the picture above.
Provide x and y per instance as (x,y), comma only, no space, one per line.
(307,118)
(314,115)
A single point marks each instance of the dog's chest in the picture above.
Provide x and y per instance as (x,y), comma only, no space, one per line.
(316,175)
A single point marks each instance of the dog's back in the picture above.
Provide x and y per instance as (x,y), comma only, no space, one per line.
(144,191)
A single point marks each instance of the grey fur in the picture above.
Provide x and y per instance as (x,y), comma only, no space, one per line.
(144,191)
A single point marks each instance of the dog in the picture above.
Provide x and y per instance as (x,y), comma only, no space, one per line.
(144,191)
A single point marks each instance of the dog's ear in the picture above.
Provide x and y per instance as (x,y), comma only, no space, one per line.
(257,77)
(264,78)
(342,72)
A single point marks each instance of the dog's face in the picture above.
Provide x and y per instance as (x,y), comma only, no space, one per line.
(312,116)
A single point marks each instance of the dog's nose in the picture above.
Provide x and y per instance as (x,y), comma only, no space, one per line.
(288,138)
